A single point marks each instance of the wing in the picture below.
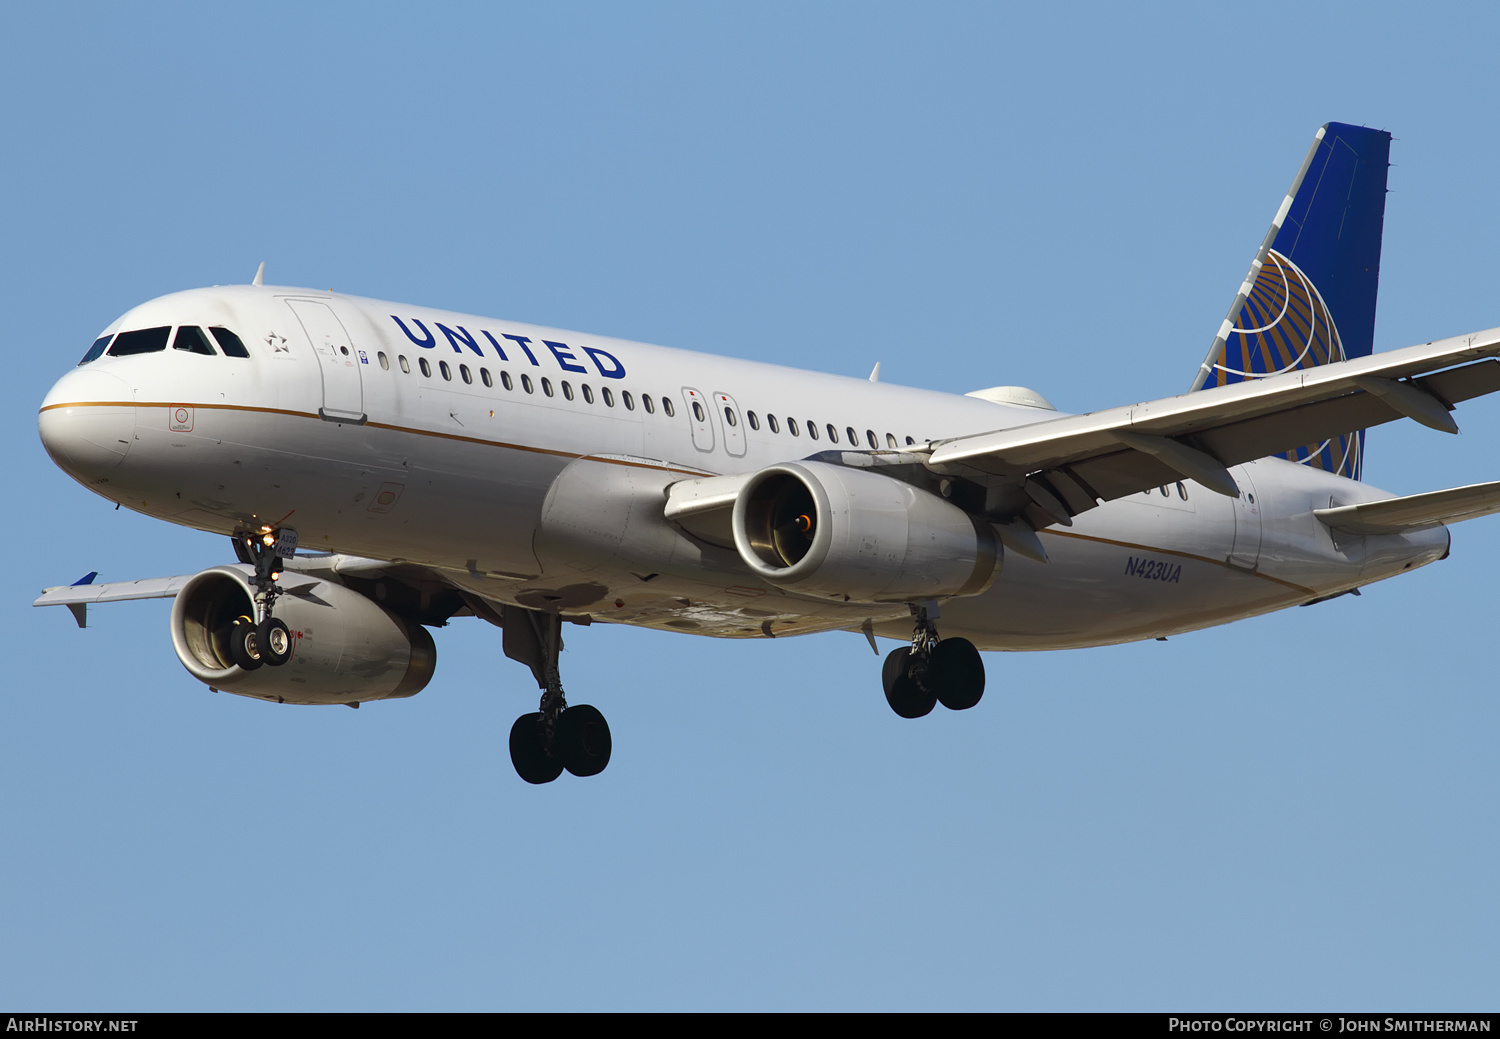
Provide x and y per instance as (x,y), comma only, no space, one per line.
(1077,460)
(78,597)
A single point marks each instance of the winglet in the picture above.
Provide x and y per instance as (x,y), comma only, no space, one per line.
(260,274)
(80,610)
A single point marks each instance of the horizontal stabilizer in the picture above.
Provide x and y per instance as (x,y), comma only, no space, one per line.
(1415,511)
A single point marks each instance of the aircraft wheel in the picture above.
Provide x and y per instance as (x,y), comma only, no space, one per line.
(583,740)
(244,646)
(956,672)
(528,751)
(274,642)
(903,694)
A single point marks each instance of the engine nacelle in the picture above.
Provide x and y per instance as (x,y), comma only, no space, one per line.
(830,530)
(345,648)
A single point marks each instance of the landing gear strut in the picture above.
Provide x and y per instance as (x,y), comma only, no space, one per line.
(932,670)
(260,638)
(557,736)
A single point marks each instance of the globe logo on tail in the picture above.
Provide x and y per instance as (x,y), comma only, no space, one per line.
(1284,325)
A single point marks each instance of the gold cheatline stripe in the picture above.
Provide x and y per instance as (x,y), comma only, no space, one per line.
(373,425)
(617,461)
(1174,552)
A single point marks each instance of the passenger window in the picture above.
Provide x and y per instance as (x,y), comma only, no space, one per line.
(588,394)
(833,434)
(97,350)
(463,372)
(405,364)
(698,412)
(141,341)
(1181,491)
(609,397)
(447,373)
(526,384)
(666,405)
(812,429)
(385,362)
(750,418)
(484,377)
(192,339)
(567,389)
(791,427)
(627,400)
(910,442)
(729,417)
(229,343)
(505,381)
(771,421)
(426,368)
(853,436)
(890,440)
(872,439)
(546,386)
(647,404)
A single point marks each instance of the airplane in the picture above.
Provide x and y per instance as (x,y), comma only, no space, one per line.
(381,468)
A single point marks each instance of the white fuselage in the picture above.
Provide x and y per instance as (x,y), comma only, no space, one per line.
(365,457)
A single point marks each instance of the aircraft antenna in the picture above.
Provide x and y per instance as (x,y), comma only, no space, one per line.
(875,372)
(260,274)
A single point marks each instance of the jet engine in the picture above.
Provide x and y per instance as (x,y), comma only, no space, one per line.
(345,648)
(833,531)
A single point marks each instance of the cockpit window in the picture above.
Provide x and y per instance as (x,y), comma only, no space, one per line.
(97,350)
(192,339)
(229,343)
(141,341)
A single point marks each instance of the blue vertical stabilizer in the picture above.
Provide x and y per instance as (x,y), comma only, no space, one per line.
(1310,295)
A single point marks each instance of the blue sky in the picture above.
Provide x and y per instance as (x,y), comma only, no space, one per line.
(1293,812)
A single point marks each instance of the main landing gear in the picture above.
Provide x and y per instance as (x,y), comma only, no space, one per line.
(259,638)
(557,736)
(932,671)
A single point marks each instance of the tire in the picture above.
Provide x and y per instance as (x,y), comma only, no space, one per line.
(244,647)
(957,674)
(583,740)
(894,667)
(274,642)
(904,695)
(529,754)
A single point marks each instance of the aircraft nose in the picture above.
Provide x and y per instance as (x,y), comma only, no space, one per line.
(87,423)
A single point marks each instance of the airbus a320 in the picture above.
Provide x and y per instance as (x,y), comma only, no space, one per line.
(381,468)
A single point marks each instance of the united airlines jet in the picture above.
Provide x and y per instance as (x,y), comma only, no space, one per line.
(380,468)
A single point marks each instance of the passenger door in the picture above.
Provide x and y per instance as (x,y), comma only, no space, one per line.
(343,391)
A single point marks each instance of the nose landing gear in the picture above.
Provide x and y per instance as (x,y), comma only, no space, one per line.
(931,670)
(262,639)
